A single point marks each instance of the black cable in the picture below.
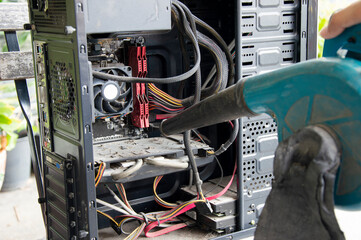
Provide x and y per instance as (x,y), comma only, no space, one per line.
(182,43)
(192,161)
(231,139)
(186,13)
(220,82)
(213,70)
(223,46)
(218,163)
(220,179)
(183,11)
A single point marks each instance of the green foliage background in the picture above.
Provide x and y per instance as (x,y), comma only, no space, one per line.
(8,98)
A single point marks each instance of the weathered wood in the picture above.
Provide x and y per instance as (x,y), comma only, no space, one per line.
(16,65)
(13,16)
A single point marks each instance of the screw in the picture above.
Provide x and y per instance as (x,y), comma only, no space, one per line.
(71,195)
(69,166)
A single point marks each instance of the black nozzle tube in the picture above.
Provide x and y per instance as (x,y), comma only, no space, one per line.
(224,106)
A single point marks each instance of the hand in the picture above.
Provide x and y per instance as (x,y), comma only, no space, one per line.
(341,20)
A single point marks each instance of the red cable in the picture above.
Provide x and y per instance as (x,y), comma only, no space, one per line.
(152,225)
(164,116)
(164,230)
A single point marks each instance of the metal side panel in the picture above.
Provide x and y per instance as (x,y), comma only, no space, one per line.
(271,34)
(63,86)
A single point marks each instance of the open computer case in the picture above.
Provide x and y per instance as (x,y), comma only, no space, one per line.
(100,144)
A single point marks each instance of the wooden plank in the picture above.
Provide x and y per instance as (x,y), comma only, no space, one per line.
(16,65)
(13,16)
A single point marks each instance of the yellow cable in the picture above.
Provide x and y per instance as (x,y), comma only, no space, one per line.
(130,236)
(156,195)
(155,89)
(106,215)
(121,222)
(167,97)
(185,205)
(101,174)
(100,166)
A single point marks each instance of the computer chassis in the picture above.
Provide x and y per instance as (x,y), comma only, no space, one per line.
(108,72)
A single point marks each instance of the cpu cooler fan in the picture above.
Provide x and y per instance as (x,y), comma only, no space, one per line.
(111,97)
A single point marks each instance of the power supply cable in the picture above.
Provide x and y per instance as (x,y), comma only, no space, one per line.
(186,14)
(221,42)
(158,199)
(223,46)
(220,82)
(100,173)
(183,10)
(213,71)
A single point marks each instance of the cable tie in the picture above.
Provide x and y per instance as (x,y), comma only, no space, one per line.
(145,218)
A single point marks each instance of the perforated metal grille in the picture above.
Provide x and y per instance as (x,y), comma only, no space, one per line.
(252,180)
(55,19)
(63,91)
(252,130)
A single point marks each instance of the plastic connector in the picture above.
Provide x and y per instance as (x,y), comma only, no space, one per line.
(115,227)
(204,208)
